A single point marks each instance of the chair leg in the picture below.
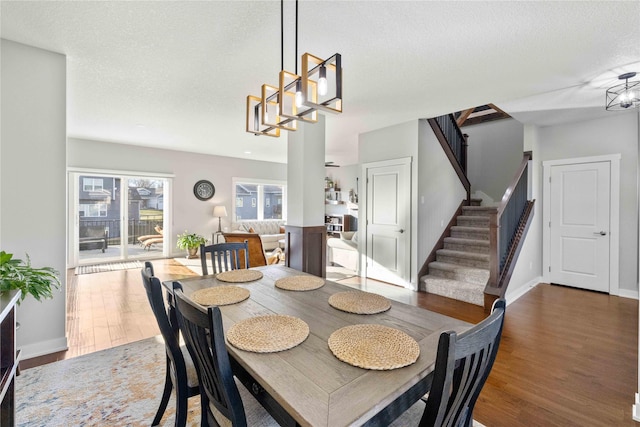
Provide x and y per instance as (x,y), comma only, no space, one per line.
(182,397)
(166,394)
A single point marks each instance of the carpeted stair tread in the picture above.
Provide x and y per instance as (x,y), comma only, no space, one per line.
(478,210)
(475,275)
(469,259)
(463,254)
(472,293)
(473,221)
(479,233)
(467,245)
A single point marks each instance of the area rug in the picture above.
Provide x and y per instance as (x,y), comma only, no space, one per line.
(112,266)
(120,386)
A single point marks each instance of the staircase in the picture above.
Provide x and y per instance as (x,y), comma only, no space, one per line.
(461,269)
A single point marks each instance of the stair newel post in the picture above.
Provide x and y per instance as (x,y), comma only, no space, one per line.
(494,247)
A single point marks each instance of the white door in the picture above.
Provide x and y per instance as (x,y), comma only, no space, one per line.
(388,228)
(580,225)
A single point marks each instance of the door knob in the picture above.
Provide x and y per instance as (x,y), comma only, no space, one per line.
(400,231)
(601,233)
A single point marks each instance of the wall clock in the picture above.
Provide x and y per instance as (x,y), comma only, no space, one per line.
(204,190)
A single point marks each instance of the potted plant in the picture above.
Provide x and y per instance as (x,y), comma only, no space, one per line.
(191,242)
(18,274)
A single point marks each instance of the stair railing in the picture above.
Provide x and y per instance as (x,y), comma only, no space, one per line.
(454,144)
(508,224)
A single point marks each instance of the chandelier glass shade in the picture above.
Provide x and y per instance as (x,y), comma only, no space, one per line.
(625,95)
(298,97)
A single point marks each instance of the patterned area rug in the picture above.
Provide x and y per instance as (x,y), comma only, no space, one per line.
(120,386)
(112,266)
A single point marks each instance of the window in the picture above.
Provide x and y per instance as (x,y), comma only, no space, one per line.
(258,200)
(92,184)
(93,210)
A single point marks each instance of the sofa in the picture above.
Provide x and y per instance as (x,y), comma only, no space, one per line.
(269,230)
(343,250)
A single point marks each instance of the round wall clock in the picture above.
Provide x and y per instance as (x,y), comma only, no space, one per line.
(204,190)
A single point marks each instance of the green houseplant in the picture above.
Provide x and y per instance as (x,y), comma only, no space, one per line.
(18,274)
(191,242)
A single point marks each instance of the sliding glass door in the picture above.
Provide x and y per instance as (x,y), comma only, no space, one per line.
(118,217)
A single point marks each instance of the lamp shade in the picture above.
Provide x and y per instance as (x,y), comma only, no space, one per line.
(219,211)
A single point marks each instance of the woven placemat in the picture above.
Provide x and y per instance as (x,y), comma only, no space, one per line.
(359,302)
(300,283)
(220,295)
(268,334)
(374,347)
(239,276)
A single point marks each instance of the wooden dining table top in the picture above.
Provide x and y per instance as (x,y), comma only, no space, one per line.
(308,381)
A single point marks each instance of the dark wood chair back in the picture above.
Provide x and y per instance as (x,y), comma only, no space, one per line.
(176,363)
(203,334)
(225,256)
(462,366)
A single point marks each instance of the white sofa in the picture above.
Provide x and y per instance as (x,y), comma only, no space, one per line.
(270,231)
(343,250)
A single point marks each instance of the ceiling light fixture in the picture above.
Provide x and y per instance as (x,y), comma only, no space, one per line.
(297,97)
(624,95)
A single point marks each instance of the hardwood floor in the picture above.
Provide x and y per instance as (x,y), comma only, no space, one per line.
(567,357)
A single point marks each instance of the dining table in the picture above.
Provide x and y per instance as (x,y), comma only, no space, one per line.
(307,385)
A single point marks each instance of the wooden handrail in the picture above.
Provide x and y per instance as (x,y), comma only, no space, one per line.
(507,194)
(459,164)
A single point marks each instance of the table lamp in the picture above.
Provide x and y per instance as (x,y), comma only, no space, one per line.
(219,211)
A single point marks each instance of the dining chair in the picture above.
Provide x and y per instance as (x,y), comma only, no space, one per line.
(463,363)
(180,372)
(220,398)
(225,256)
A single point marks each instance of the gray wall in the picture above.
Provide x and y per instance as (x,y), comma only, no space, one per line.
(188,213)
(494,154)
(32,181)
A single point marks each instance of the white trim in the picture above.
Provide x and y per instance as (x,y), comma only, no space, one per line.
(522,290)
(43,347)
(626,293)
(635,409)
(88,171)
(614,230)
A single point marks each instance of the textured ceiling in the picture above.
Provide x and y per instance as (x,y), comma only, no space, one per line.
(176,74)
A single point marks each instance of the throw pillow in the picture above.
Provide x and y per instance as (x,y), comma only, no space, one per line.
(282,229)
(354,239)
(251,230)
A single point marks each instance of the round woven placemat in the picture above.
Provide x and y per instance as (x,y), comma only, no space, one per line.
(359,302)
(268,334)
(374,347)
(300,283)
(220,295)
(239,276)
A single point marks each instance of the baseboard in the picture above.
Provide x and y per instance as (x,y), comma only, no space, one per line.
(524,289)
(635,409)
(43,347)
(626,293)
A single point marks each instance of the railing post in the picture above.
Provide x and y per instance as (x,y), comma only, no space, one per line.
(465,144)
(494,247)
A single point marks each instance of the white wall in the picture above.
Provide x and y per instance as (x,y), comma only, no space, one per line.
(188,213)
(440,192)
(494,154)
(32,180)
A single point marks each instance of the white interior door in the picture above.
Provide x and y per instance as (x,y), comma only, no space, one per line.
(388,227)
(580,225)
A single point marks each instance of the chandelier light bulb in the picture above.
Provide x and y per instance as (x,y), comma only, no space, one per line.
(298,94)
(322,81)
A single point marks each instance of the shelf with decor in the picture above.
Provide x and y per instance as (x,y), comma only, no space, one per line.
(337,223)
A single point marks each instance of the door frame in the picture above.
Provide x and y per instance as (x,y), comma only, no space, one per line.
(72,197)
(410,283)
(614,218)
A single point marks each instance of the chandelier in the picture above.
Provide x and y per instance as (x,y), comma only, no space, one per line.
(624,95)
(297,97)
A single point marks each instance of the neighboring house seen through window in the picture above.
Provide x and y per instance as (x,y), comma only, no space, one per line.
(255,200)
(92,184)
(93,210)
